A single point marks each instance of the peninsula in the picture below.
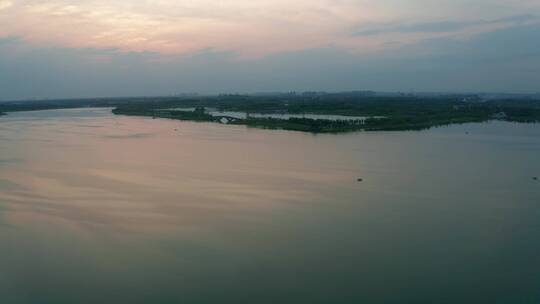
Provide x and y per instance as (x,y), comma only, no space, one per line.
(349,112)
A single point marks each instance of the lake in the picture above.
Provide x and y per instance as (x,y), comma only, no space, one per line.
(96,208)
(244,115)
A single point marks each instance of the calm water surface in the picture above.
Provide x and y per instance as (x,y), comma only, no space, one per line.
(96,208)
(244,115)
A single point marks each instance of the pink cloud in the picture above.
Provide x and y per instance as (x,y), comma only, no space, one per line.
(250,28)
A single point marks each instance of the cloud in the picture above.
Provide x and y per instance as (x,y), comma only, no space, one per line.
(5,4)
(502,60)
(87,48)
(447,26)
(428,27)
(249,28)
(168,26)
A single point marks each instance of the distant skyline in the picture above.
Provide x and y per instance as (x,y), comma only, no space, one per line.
(97,48)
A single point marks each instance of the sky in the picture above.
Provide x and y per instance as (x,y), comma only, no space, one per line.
(108,48)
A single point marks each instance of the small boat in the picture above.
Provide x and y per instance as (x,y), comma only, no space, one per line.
(359,180)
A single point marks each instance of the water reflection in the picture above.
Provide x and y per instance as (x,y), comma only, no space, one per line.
(102,208)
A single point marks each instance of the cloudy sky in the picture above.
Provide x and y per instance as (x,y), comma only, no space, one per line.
(87,48)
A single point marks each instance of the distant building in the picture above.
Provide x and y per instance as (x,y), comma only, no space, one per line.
(500,115)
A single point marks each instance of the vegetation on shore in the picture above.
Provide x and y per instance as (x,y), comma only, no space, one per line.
(380,112)
(383,113)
